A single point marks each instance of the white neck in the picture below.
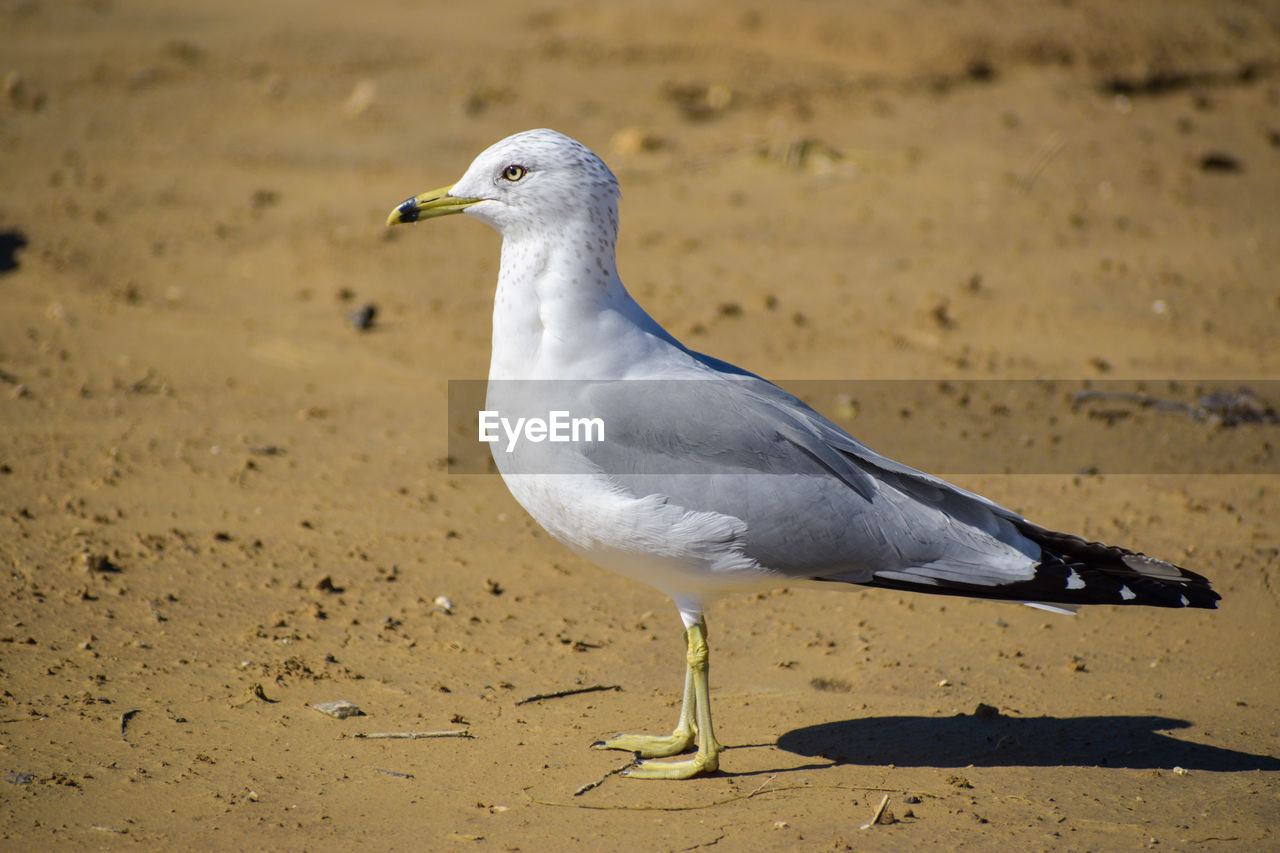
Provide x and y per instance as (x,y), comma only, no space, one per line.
(561,311)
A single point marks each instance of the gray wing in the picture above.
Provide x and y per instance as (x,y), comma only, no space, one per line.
(818,504)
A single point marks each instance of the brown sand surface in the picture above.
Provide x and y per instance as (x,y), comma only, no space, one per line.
(221,504)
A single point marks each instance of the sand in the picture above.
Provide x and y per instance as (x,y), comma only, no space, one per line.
(221,503)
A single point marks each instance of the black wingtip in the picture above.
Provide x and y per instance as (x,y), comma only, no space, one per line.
(1073,571)
(1084,572)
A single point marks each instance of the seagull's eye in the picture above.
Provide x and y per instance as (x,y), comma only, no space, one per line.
(514,172)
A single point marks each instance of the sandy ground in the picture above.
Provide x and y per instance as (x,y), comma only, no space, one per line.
(220,503)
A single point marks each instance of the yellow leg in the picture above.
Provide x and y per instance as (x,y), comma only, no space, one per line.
(695,719)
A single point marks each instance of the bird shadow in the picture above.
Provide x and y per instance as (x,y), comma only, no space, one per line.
(998,741)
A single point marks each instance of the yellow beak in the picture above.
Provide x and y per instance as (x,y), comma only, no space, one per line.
(428,205)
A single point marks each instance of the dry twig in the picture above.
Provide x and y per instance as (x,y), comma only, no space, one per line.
(758,791)
(560,694)
(878,814)
(412,735)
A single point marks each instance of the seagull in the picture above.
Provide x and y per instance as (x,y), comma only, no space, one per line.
(708,479)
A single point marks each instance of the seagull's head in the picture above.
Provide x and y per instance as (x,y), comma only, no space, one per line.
(526,184)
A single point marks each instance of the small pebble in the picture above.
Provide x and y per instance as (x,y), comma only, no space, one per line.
(341,709)
(363,319)
(1219,161)
(99,563)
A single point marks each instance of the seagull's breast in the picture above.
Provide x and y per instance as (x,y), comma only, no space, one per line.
(692,556)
